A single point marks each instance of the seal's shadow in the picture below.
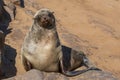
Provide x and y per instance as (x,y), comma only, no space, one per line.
(8,62)
(66,55)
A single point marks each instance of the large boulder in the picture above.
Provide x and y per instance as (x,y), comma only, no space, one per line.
(1,49)
(38,75)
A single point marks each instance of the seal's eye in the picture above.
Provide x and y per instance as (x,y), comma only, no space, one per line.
(50,15)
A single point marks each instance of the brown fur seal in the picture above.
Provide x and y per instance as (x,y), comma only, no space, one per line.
(42,49)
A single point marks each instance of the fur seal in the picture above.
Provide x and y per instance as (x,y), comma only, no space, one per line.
(42,49)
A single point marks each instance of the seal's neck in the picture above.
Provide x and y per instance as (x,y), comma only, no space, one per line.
(40,33)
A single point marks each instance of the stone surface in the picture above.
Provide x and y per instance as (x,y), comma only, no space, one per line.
(2,40)
(4,18)
(38,75)
(10,8)
(92,26)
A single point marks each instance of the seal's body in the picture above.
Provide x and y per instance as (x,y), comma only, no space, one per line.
(42,49)
(43,53)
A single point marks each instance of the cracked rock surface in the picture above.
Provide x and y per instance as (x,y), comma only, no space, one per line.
(91,26)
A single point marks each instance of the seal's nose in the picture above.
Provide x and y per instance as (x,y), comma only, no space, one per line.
(45,18)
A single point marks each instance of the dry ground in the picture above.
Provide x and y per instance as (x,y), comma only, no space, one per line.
(92,26)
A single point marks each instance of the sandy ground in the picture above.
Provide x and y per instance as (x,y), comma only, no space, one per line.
(92,26)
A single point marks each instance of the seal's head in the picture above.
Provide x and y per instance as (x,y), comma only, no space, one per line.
(45,18)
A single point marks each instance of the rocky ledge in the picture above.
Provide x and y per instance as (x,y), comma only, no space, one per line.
(38,75)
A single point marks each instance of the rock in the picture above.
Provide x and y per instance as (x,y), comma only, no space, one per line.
(1,49)
(30,75)
(8,61)
(38,75)
(6,13)
(11,9)
(3,13)
(32,3)
(16,2)
(29,12)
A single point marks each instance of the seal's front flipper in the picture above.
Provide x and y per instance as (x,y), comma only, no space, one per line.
(27,65)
